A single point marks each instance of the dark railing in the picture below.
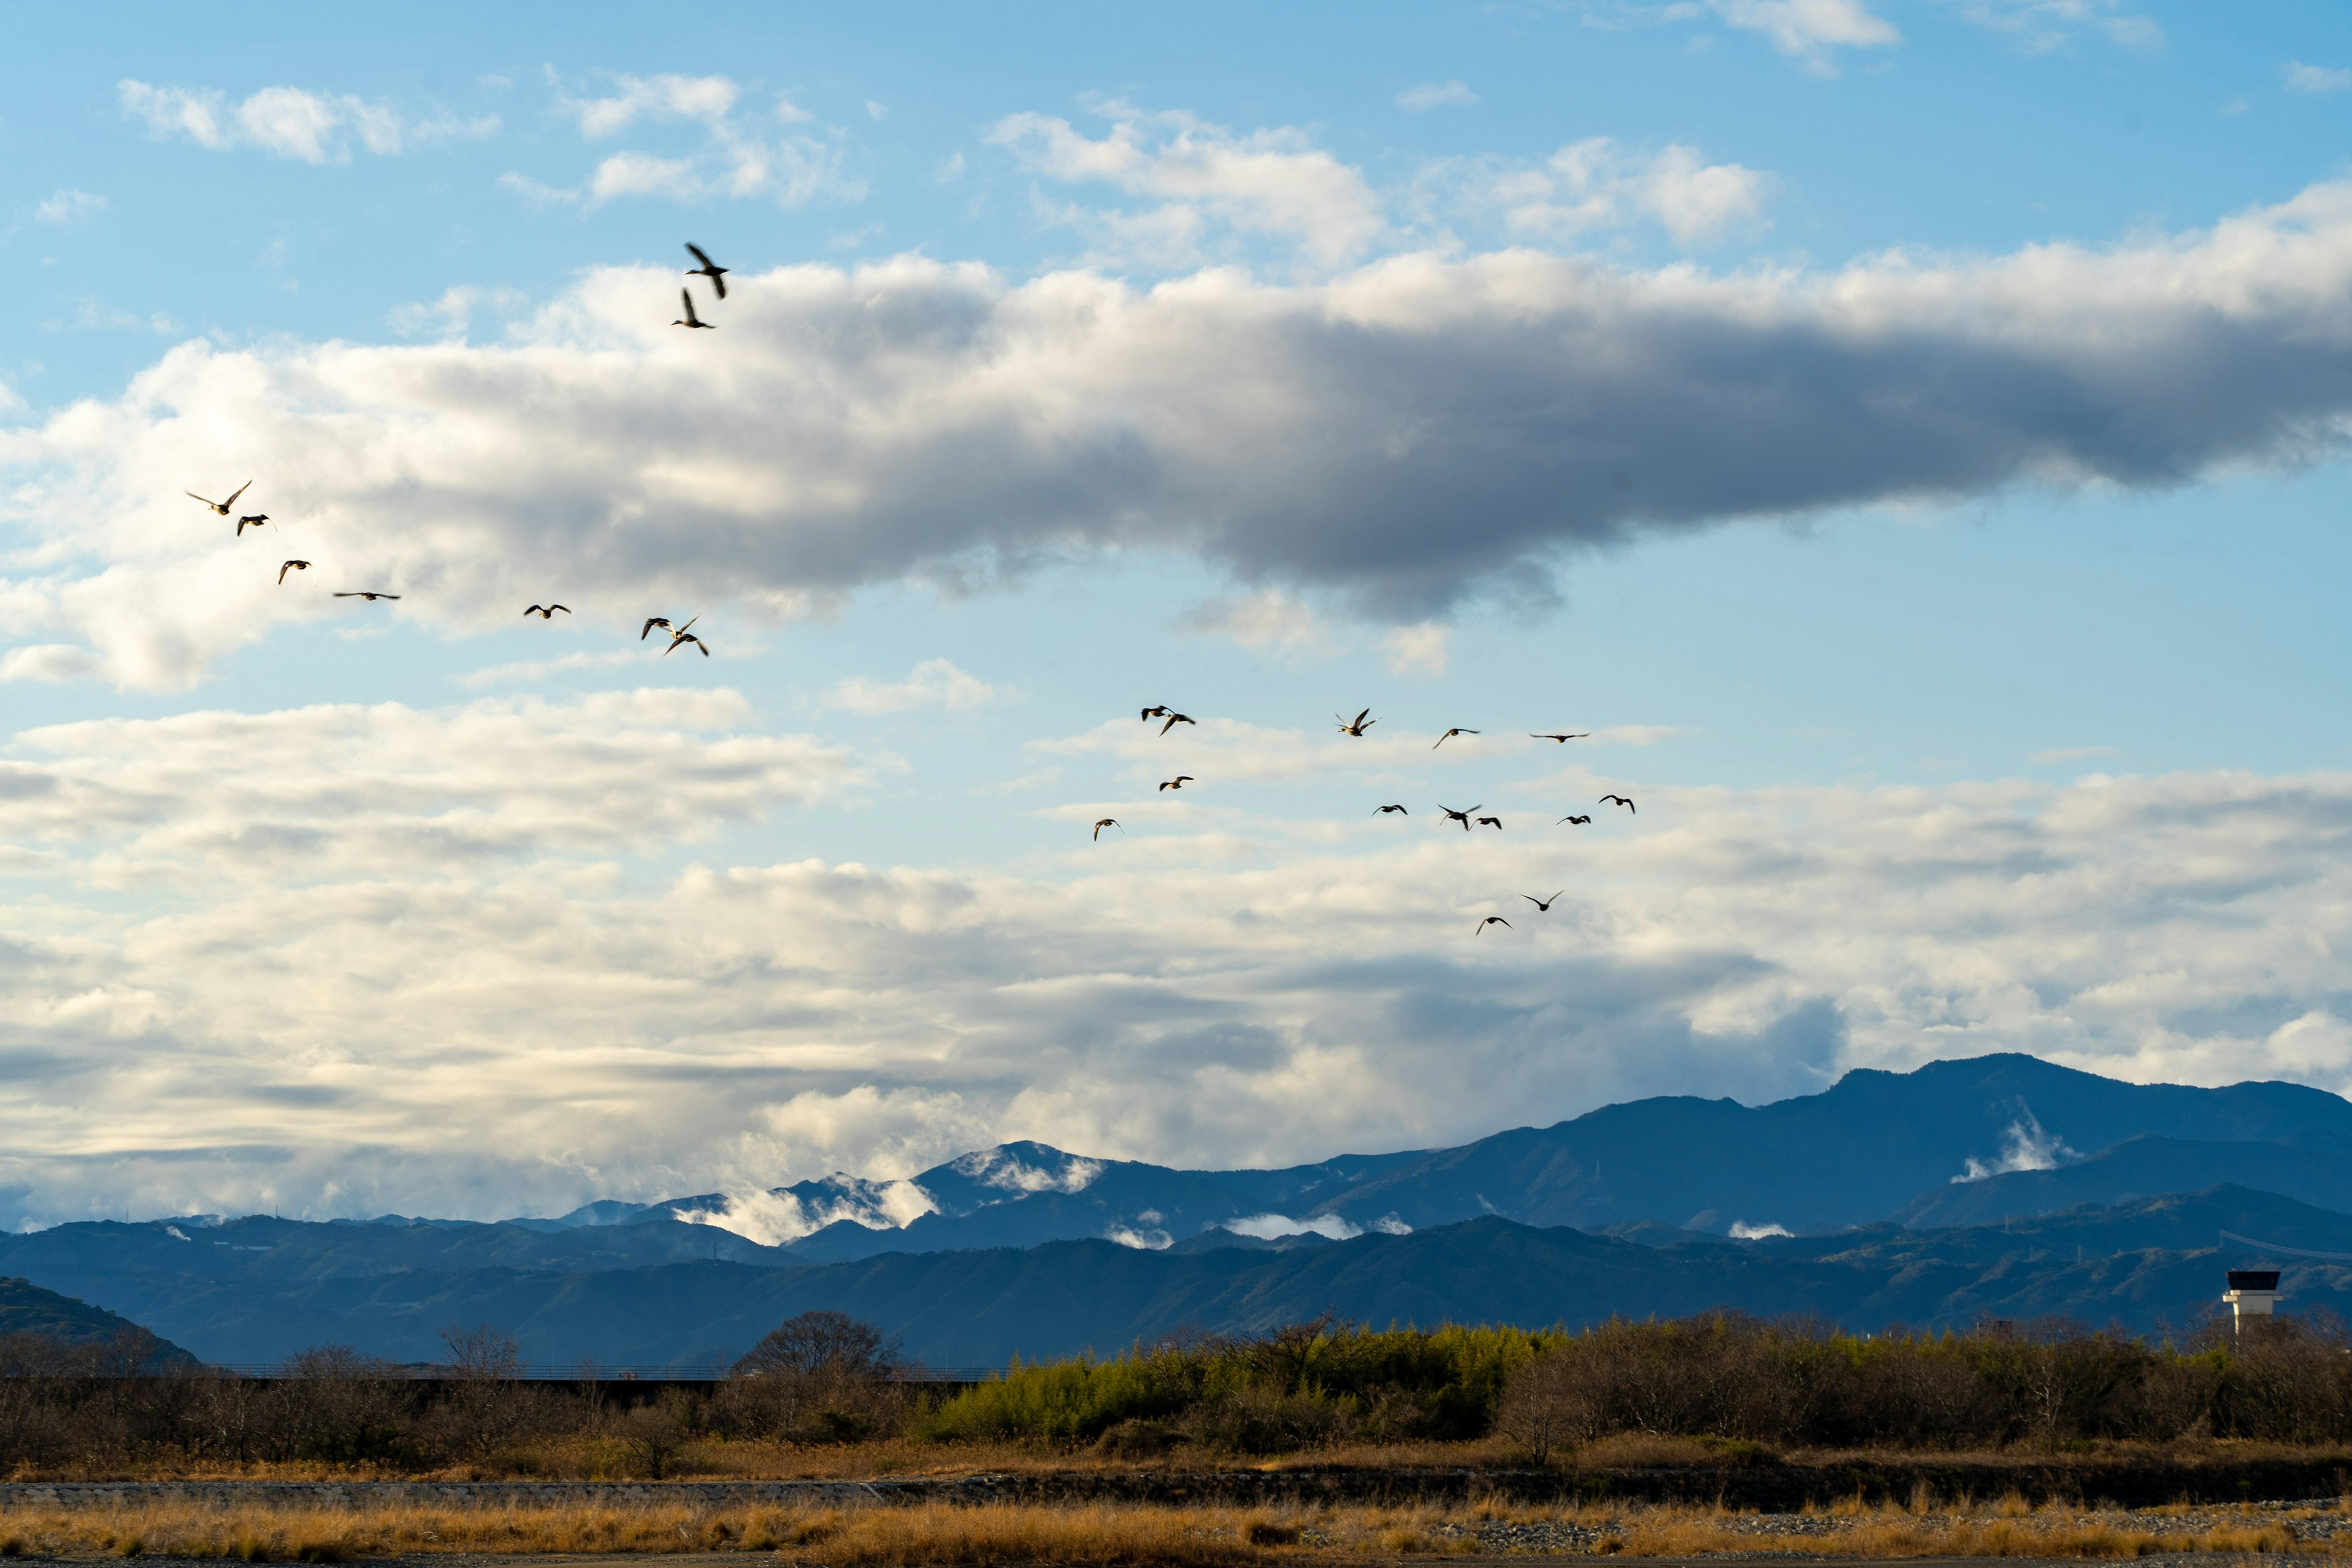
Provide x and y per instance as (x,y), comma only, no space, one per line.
(555,1372)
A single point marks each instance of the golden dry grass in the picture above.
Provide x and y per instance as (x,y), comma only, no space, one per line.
(1140,1536)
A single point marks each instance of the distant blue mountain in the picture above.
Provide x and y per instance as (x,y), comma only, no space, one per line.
(1860,1150)
(1910,1196)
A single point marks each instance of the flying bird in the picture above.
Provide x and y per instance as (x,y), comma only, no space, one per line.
(547,612)
(683,635)
(1180,780)
(1400,810)
(1173,720)
(709,269)
(1493,821)
(222,506)
(255,520)
(370,594)
(651,621)
(1579,821)
(1493,920)
(1452,816)
(1450,734)
(690,319)
(284,567)
(1157,710)
(1106,822)
(1358,725)
(1563,740)
(1543,904)
(1619,800)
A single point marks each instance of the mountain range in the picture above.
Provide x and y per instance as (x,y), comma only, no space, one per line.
(2002,1185)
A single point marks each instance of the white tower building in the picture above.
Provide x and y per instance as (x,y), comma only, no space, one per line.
(2252,1293)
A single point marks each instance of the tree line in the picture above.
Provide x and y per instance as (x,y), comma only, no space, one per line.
(826,1378)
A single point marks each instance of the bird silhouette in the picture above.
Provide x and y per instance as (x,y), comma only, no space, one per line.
(709,269)
(1461,816)
(1492,920)
(370,594)
(255,520)
(222,506)
(1563,740)
(651,621)
(1173,720)
(1400,810)
(1578,820)
(1356,725)
(1157,710)
(284,567)
(690,319)
(1450,734)
(547,612)
(1543,904)
(1107,822)
(1619,800)
(1493,821)
(683,635)
(1180,780)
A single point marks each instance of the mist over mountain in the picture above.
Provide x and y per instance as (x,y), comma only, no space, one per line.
(1999,1186)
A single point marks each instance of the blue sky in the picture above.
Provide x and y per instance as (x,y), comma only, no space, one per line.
(1908,434)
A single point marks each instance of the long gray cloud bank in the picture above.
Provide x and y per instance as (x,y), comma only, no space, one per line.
(1409,433)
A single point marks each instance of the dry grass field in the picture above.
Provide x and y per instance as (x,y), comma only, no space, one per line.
(882,1536)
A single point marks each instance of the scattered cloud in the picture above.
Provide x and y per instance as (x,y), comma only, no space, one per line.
(1809,30)
(739,158)
(1269,622)
(289,121)
(1419,649)
(708,99)
(1595,183)
(1560,403)
(1435,95)
(537,670)
(2040,27)
(307,792)
(934,683)
(766,1021)
(2296,77)
(68,206)
(1201,177)
(452,314)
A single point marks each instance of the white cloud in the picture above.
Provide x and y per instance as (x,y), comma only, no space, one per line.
(948,426)
(68,206)
(2026,1146)
(540,669)
(1419,649)
(2043,26)
(934,683)
(289,121)
(1269,622)
(309,793)
(1808,30)
(708,99)
(1273,1227)
(415,1023)
(739,158)
(1435,94)
(1742,1231)
(1595,183)
(2296,77)
(1268,182)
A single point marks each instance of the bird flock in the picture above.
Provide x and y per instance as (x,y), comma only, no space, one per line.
(1358,727)
(679,636)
